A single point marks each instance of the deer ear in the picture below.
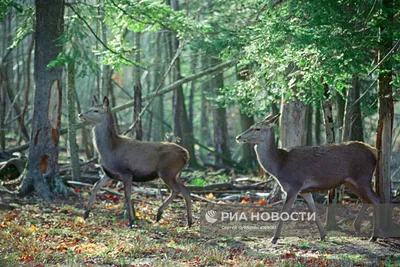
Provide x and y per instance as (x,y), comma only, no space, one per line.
(268,117)
(275,118)
(106,102)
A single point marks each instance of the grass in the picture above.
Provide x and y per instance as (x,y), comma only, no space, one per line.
(50,234)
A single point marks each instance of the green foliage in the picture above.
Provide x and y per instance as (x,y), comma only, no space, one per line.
(198,181)
(6,5)
(294,47)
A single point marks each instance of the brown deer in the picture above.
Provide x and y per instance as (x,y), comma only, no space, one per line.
(301,170)
(129,160)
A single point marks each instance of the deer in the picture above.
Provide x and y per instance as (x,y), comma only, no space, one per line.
(128,160)
(305,169)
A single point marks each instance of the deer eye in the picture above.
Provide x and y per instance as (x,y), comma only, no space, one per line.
(257,129)
(95,110)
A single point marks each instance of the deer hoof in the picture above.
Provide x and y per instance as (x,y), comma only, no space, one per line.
(86,214)
(373,239)
(274,240)
(158,217)
(130,224)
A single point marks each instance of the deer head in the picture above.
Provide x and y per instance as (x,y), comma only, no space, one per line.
(257,133)
(97,113)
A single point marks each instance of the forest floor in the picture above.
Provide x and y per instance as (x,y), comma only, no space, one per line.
(55,234)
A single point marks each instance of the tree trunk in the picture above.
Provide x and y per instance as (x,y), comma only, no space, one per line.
(204,134)
(318,122)
(219,123)
(353,130)
(42,174)
(137,90)
(137,109)
(193,67)
(182,127)
(293,124)
(27,86)
(72,145)
(158,104)
(330,139)
(340,104)
(309,125)
(386,115)
(248,157)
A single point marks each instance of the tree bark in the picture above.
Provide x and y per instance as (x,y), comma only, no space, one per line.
(204,134)
(353,129)
(182,127)
(137,90)
(137,109)
(318,122)
(293,124)
(41,175)
(158,104)
(219,123)
(27,85)
(72,145)
(330,139)
(386,115)
(340,104)
(309,124)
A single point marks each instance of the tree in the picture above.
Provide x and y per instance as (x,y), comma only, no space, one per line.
(42,174)
(223,156)
(182,128)
(386,111)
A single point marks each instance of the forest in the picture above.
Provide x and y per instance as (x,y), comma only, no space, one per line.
(243,105)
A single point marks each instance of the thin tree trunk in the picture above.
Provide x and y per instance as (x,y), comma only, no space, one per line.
(309,125)
(219,122)
(340,104)
(386,116)
(137,90)
(318,122)
(330,139)
(137,109)
(72,145)
(204,133)
(89,151)
(182,127)
(248,156)
(193,67)
(158,104)
(353,130)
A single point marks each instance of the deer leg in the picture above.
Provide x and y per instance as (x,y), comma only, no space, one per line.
(311,206)
(170,180)
(188,202)
(361,213)
(360,216)
(165,204)
(290,198)
(99,184)
(370,196)
(129,206)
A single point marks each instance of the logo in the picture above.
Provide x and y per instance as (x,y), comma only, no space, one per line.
(211,216)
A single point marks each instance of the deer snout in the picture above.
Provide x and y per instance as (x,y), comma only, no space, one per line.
(238,139)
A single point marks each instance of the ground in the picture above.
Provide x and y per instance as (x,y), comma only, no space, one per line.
(55,234)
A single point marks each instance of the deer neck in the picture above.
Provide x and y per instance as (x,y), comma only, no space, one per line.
(268,154)
(105,135)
